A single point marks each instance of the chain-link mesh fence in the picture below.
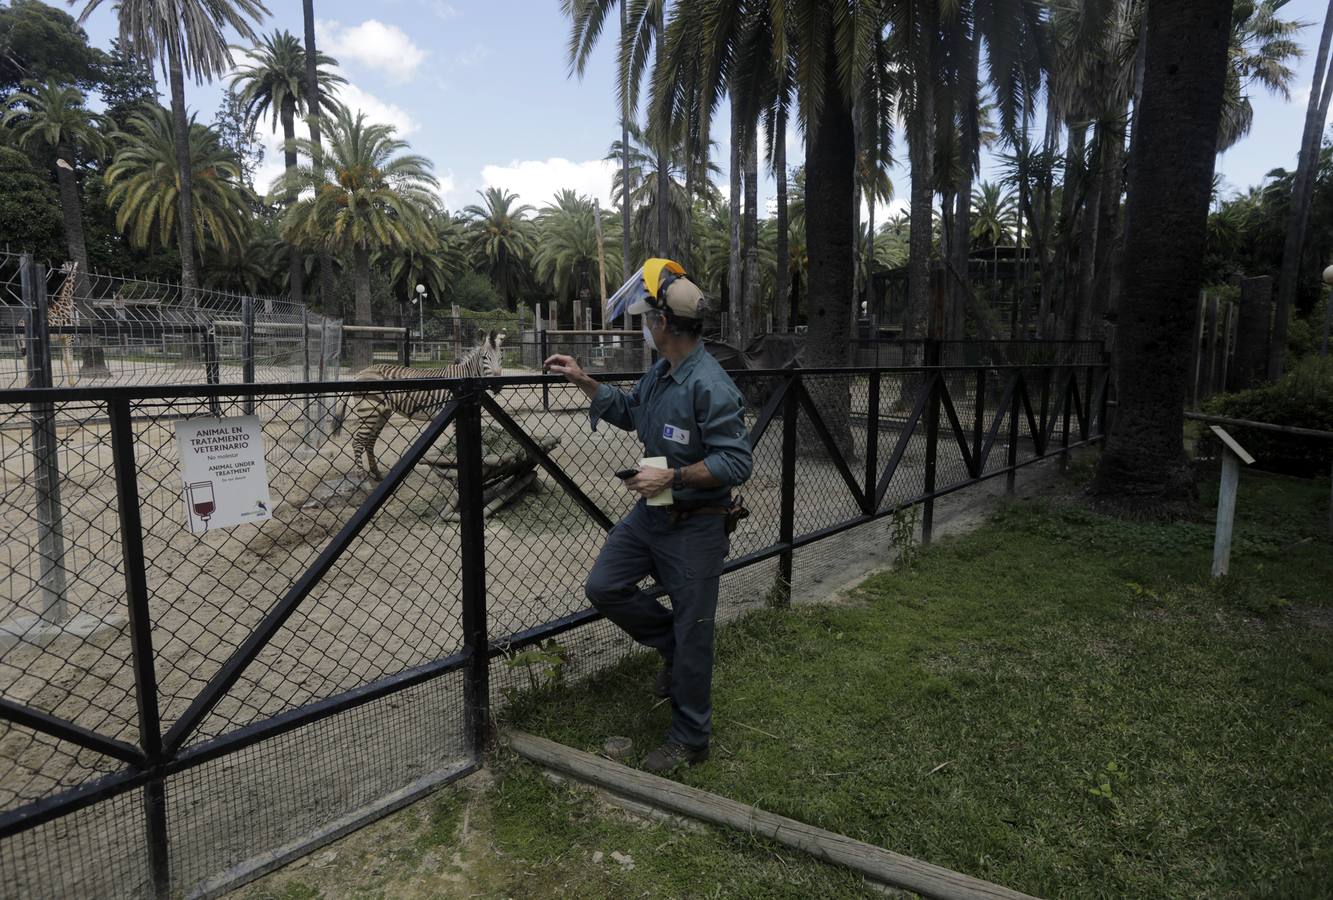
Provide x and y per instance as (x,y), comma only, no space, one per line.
(62,327)
(178,708)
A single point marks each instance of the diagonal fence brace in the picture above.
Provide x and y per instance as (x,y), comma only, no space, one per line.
(301,588)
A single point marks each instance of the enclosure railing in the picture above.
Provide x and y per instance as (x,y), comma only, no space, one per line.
(180,712)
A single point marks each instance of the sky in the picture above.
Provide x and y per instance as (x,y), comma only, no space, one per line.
(483,89)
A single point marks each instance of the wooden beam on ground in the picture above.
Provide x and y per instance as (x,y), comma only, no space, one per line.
(874,862)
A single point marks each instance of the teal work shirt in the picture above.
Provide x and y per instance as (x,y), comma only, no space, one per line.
(690,413)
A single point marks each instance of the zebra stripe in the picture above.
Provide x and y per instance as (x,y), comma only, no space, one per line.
(374,408)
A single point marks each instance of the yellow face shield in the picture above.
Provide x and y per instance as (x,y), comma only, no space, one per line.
(639,293)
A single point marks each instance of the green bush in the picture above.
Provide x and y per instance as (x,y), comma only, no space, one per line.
(473,290)
(1302,398)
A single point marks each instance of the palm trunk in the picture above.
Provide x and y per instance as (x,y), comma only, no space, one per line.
(72,213)
(969,140)
(687,239)
(1316,115)
(295,262)
(920,149)
(751,237)
(830,171)
(782,313)
(870,260)
(314,101)
(361,263)
(185,199)
(1071,203)
(1170,181)
(625,205)
(735,291)
(1108,227)
(663,158)
(1045,197)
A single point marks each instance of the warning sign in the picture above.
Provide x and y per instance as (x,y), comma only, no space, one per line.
(224,479)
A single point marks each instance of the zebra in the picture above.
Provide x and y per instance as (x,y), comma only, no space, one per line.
(372,410)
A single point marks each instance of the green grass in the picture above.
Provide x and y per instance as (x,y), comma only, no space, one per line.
(1061,702)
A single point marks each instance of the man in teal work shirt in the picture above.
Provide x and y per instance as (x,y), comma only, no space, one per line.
(687,409)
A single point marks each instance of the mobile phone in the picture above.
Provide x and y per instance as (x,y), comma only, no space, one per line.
(626,473)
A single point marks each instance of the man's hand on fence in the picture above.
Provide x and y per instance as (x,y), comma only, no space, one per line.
(568,366)
(650,481)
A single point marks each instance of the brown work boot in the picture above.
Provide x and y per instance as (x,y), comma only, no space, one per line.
(672,756)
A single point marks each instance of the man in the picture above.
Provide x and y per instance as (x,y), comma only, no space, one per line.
(687,409)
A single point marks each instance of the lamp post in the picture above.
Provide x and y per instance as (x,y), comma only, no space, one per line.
(1328,311)
(420,301)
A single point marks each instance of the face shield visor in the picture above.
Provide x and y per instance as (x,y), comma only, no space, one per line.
(642,290)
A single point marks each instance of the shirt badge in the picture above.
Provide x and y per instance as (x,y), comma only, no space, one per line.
(675,433)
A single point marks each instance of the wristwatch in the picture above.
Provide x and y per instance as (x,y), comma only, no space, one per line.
(678,481)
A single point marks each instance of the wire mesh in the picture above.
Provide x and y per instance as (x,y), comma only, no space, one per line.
(392,600)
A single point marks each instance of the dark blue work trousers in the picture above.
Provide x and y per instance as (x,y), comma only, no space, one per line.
(686,558)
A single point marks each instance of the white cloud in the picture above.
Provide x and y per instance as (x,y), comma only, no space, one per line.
(377,110)
(536,181)
(448,187)
(385,48)
(443,10)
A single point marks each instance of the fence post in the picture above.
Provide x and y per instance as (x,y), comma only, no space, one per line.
(141,640)
(872,442)
(407,346)
(979,423)
(932,447)
(787,504)
(1070,383)
(45,446)
(248,350)
(545,351)
(1011,455)
(472,540)
(1039,440)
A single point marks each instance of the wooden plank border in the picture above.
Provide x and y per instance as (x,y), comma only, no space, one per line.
(874,862)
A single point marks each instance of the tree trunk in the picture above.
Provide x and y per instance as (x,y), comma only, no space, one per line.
(969,150)
(921,148)
(782,313)
(185,199)
(663,157)
(72,213)
(1090,236)
(1174,149)
(295,261)
(625,205)
(1302,191)
(735,290)
(1108,226)
(314,101)
(1042,239)
(363,316)
(1072,199)
(687,239)
(749,310)
(830,171)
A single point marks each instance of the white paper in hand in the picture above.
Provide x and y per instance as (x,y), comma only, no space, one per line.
(659,462)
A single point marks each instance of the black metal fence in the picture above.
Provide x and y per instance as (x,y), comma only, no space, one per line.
(180,712)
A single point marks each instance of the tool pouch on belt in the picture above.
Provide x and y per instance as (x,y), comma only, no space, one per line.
(735,514)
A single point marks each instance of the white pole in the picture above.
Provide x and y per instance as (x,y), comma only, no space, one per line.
(1226,512)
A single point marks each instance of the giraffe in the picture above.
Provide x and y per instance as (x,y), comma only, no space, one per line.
(61,313)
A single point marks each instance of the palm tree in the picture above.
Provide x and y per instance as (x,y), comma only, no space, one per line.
(501,238)
(53,116)
(186,37)
(567,245)
(144,189)
(993,216)
(274,86)
(364,196)
(316,101)
(436,264)
(1171,166)
(642,22)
